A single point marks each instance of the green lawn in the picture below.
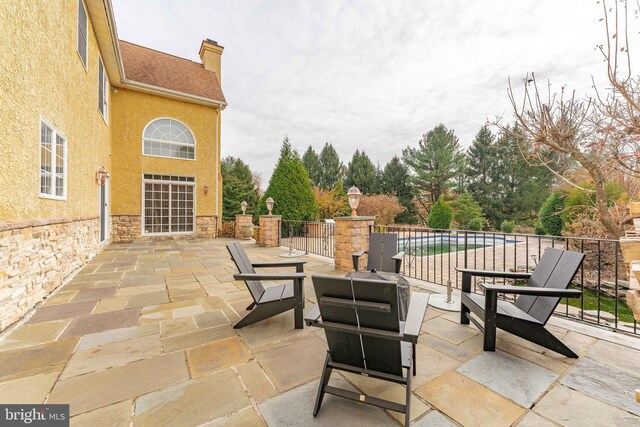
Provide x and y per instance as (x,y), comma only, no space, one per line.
(607,304)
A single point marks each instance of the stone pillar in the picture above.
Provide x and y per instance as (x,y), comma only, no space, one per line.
(244,227)
(269,235)
(351,235)
(630,245)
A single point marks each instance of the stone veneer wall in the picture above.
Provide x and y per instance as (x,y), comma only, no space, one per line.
(269,234)
(37,256)
(351,235)
(127,228)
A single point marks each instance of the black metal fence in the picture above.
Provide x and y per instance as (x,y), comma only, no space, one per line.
(433,255)
(308,236)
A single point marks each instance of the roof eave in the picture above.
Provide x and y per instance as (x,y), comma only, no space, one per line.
(170,93)
(103,22)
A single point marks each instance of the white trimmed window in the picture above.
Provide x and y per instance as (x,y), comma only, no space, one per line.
(53,163)
(168,138)
(168,204)
(103,90)
(83,33)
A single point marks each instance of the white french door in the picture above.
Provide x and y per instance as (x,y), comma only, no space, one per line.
(168,204)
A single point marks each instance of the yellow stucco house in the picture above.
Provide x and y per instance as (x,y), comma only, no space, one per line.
(104,140)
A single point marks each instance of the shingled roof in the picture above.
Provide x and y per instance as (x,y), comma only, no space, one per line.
(149,66)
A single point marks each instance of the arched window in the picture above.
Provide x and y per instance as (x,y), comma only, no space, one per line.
(168,138)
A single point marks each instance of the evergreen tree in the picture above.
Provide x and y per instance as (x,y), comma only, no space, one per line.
(237,185)
(464,210)
(290,188)
(362,173)
(501,180)
(482,170)
(330,167)
(441,215)
(395,181)
(434,163)
(551,214)
(311,162)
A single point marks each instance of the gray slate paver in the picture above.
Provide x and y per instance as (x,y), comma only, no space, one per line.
(295,408)
(517,379)
(604,382)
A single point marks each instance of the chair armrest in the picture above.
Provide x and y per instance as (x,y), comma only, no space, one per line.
(269,276)
(312,316)
(488,273)
(532,290)
(415,316)
(299,265)
(397,258)
(355,257)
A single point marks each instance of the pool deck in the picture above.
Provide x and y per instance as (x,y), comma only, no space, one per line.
(143,336)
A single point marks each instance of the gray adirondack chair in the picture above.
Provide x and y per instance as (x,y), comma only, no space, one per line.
(365,335)
(383,253)
(533,307)
(268,302)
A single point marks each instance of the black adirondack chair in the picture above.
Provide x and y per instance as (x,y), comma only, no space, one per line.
(268,302)
(536,302)
(365,336)
(383,253)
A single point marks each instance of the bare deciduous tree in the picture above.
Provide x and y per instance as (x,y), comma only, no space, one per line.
(599,133)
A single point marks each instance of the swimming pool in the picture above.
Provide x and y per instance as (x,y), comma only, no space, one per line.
(432,244)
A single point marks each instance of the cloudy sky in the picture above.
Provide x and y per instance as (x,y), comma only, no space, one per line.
(372,75)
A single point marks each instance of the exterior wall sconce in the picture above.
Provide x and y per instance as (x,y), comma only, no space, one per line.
(243,206)
(206,189)
(270,204)
(101,176)
(354,195)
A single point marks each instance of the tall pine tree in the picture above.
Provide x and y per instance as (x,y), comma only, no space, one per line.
(395,181)
(290,188)
(362,173)
(330,167)
(435,164)
(237,186)
(311,162)
(483,170)
(502,182)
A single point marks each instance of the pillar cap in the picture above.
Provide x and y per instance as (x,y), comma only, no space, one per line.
(244,215)
(270,216)
(355,218)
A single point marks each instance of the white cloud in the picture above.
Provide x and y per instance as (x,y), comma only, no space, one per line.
(373,75)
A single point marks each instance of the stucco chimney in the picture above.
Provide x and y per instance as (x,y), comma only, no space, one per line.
(211,55)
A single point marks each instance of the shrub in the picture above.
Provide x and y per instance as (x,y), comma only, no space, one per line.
(539,229)
(383,207)
(476,224)
(551,214)
(331,203)
(507,226)
(464,210)
(440,216)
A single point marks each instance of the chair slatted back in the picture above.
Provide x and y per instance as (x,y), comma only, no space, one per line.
(366,303)
(239,257)
(382,247)
(556,269)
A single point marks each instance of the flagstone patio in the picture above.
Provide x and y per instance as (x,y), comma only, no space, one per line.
(143,335)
